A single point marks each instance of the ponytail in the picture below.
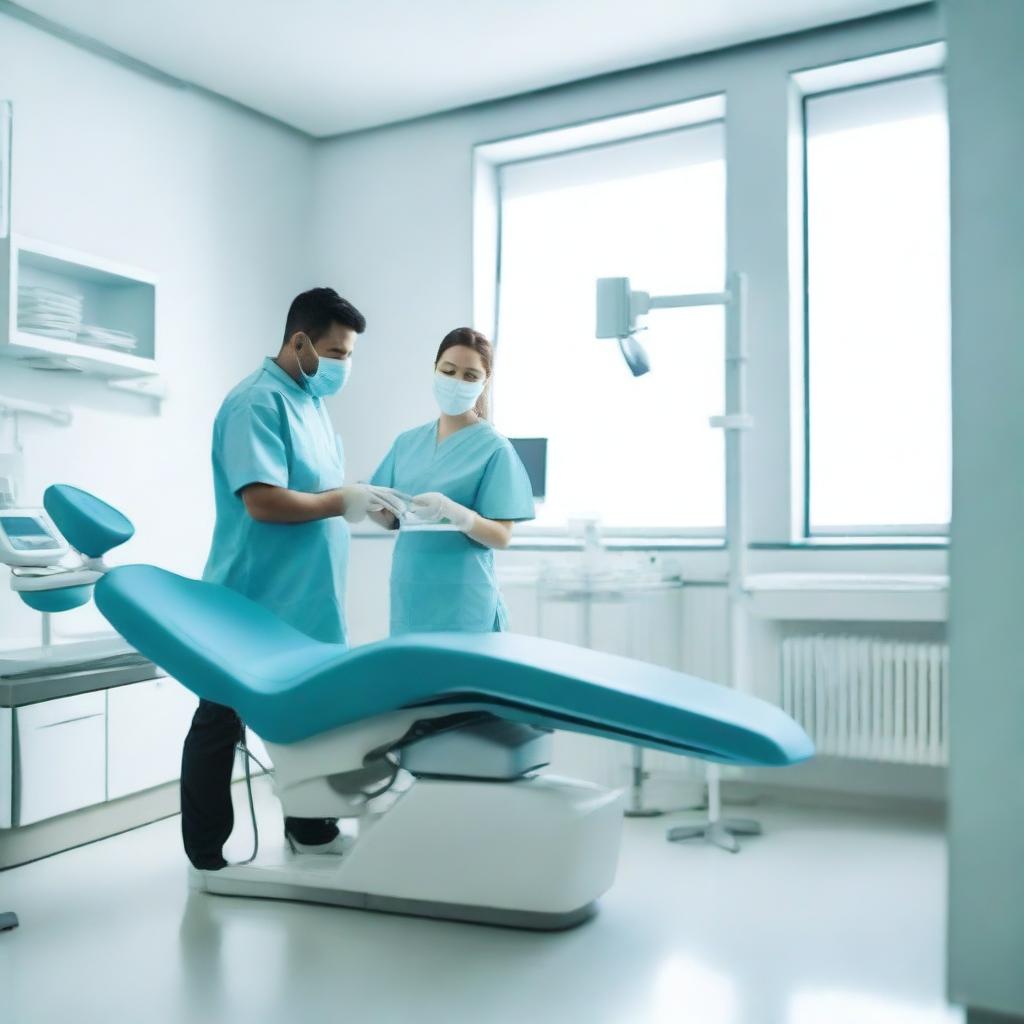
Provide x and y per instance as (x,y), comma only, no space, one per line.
(483,403)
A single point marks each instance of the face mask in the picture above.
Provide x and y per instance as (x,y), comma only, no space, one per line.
(455,396)
(330,377)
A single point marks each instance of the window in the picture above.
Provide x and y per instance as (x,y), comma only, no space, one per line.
(638,453)
(878,373)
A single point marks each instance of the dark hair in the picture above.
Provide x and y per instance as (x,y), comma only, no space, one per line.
(314,312)
(468,338)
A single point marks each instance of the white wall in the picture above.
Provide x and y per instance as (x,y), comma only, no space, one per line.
(986,102)
(214,201)
(394,228)
(394,231)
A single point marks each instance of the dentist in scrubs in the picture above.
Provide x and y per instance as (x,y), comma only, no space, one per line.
(281,537)
(469,488)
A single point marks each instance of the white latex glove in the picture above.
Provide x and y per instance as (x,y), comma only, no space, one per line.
(361,499)
(433,506)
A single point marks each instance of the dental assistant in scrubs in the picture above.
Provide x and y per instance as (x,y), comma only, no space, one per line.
(469,486)
(281,536)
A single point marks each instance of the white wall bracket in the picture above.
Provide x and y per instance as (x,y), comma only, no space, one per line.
(17,407)
(737,422)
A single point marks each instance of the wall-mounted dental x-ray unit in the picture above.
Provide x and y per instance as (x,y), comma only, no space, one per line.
(619,308)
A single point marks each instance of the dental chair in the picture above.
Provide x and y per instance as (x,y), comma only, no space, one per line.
(478,832)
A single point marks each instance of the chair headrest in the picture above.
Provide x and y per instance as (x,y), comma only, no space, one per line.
(89,524)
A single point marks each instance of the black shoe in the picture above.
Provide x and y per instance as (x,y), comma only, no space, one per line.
(209,865)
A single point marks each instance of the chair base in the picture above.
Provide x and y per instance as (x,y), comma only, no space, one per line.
(274,884)
(721,833)
(535,854)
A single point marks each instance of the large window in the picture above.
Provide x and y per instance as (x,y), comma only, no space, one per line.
(878,373)
(638,453)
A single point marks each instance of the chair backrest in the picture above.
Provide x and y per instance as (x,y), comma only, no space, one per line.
(90,525)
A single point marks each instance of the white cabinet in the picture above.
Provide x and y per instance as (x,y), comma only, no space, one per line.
(60,756)
(6,767)
(70,753)
(146,726)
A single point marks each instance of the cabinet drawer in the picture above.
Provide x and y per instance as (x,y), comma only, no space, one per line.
(6,767)
(60,757)
(146,726)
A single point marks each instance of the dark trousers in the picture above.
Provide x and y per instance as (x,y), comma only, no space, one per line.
(207,816)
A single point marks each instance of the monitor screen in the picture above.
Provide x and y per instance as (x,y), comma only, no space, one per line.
(534,453)
(26,533)
(24,526)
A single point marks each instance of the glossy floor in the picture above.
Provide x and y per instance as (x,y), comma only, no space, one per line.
(830,918)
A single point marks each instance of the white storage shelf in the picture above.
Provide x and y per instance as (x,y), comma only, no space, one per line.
(113,297)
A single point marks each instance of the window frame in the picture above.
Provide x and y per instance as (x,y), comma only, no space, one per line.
(489,161)
(778,514)
(864,530)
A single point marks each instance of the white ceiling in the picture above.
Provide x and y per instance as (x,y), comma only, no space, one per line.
(330,66)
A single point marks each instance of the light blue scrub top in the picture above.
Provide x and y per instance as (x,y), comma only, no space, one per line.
(443,581)
(272,431)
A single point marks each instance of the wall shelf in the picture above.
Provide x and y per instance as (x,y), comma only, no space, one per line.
(113,297)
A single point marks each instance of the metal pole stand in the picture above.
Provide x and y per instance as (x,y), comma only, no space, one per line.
(636,807)
(718,831)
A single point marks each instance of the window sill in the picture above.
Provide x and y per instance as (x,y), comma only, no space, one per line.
(562,542)
(855,544)
(637,543)
(852,597)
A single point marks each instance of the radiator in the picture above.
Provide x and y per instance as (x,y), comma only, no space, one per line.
(863,697)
